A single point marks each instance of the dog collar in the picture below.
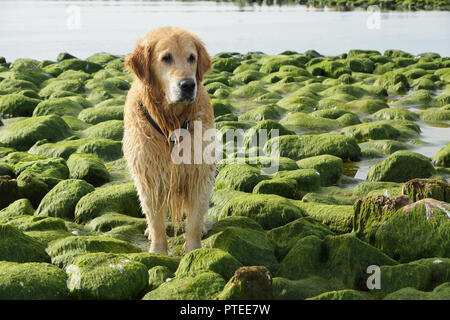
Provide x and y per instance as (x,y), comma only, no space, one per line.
(173,137)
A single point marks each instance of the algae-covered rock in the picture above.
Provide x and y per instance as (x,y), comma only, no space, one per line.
(250,247)
(18,247)
(9,191)
(272,112)
(21,135)
(419,230)
(211,259)
(120,198)
(365,131)
(151,260)
(157,276)
(61,200)
(300,121)
(371,211)
(237,221)
(111,129)
(283,187)
(32,187)
(346,294)
(203,285)
(32,281)
(329,167)
(51,171)
(418,189)
(395,114)
(441,292)
(248,283)
(306,180)
(64,251)
(100,114)
(401,166)
(59,106)
(241,177)
(106,276)
(89,168)
(384,146)
(337,217)
(105,149)
(285,289)
(17,105)
(442,157)
(299,147)
(269,211)
(17,208)
(285,237)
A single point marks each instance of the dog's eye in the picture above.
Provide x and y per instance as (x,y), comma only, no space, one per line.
(191,58)
(167,58)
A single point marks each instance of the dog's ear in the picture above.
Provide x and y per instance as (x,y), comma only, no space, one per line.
(139,62)
(203,60)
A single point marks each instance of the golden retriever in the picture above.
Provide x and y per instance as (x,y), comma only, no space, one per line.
(167,94)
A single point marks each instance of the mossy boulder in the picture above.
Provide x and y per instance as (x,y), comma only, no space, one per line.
(393,82)
(300,121)
(61,200)
(441,292)
(120,198)
(383,146)
(158,275)
(285,237)
(269,211)
(65,251)
(283,187)
(32,281)
(59,106)
(435,115)
(106,276)
(272,112)
(395,114)
(226,64)
(237,221)
(241,177)
(418,230)
(112,129)
(89,168)
(100,114)
(109,221)
(17,105)
(337,217)
(32,187)
(299,147)
(51,170)
(401,166)
(418,189)
(9,191)
(306,180)
(203,285)
(248,283)
(329,167)
(21,135)
(151,260)
(105,149)
(211,259)
(285,289)
(250,247)
(373,130)
(442,157)
(18,247)
(17,208)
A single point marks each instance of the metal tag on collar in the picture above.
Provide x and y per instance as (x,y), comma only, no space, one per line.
(173,136)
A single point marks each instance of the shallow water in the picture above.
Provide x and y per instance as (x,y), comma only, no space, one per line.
(42,29)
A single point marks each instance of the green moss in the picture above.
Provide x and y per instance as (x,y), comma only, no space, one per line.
(32,281)
(419,230)
(304,146)
(241,177)
(101,58)
(337,217)
(372,130)
(250,247)
(21,135)
(248,283)
(442,157)
(328,166)
(106,276)
(121,198)
(62,199)
(18,247)
(395,114)
(17,208)
(439,293)
(285,237)
(88,167)
(418,189)
(393,82)
(272,112)
(300,121)
(157,276)
(283,187)
(285,289)
(49,170)
(237,221)
(100,114)
(384,146)
(151,260)
(111,129)
(225,64)
(65,251)
(269,211)
(417,98)
(17,105)
(252,89)
(108,221)
(59,106)
(204,285)
(435,115)
(401,166)
(105,149)
(31,187)
(211,259)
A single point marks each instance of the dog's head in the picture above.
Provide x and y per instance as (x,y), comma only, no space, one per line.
(172,59)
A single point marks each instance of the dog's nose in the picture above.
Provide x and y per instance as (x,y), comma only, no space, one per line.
(187,85)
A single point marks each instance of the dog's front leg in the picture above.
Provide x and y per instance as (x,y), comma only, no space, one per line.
(156,227)
(195,226)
